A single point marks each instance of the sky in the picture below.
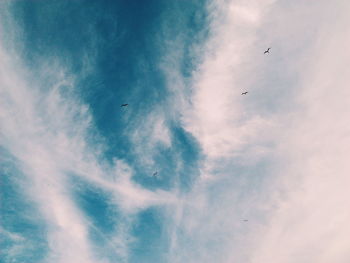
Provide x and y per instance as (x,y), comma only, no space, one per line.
(191,170)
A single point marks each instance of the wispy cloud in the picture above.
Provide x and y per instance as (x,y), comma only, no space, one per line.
(276,156)
(47,129)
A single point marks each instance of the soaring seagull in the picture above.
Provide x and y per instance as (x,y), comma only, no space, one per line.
(267,51)
(244,93)
(124,105)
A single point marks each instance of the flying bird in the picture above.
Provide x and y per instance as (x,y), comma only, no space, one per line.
(244,93)
(267,51)
(124,105)
(245,220)
(155,173)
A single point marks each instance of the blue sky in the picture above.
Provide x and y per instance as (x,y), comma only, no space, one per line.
(256,178)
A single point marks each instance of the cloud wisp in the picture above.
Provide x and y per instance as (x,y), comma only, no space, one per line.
(46,129)
(273,181)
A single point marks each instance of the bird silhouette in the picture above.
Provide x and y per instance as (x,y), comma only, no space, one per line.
(244,93)
(124,105)
(267,51)
(155,173)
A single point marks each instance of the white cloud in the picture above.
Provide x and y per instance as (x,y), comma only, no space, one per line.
(309,224)
(278,156)
(218,118)
(150,133)
(296,114)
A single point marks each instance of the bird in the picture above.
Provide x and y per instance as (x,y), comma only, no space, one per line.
(267,51)
(155,173)
(245,220)
(244,93)
(124,105)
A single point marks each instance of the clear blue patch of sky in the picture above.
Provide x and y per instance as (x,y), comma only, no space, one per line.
(152,241)
(96,204)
